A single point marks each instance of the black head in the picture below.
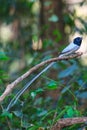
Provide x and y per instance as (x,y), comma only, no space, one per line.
(77,41)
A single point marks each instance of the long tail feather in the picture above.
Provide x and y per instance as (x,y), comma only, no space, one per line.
(16,97)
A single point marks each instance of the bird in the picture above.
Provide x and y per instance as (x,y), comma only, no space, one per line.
(70,49)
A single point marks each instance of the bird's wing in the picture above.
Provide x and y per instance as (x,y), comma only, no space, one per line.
(71,48)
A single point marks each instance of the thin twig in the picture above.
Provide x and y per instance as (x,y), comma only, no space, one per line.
(10,87)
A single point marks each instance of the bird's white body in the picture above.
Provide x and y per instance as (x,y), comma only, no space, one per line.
(71,48)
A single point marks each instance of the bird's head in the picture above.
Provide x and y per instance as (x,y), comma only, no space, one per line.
(77,41)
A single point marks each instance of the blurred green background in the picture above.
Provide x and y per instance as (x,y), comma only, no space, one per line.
(32,31)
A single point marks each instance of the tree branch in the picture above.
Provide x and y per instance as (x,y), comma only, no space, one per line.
(10,86)
(68,122)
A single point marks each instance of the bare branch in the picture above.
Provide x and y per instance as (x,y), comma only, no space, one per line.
(68,122)
(10,87)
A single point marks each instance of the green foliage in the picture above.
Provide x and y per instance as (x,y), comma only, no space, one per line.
(58,35)
(3,56)
(53,18)
(52,85)
(59,93)
(71,112)
(3,59)
(6,114)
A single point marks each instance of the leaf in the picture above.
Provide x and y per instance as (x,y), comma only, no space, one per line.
(82,95)
(39,90)
(53,18)
(42,113)
(32,0)
(4,76)
(3,56)
(18,113)
(34,127)
(69,71)
(1,71)
(58,35)
(52,85)
(47,3)
(39,101)
(25,124)
(1,82)
(35,38)
(6,114)
(47,42)
(70,112)
(35,92)
(68,19)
